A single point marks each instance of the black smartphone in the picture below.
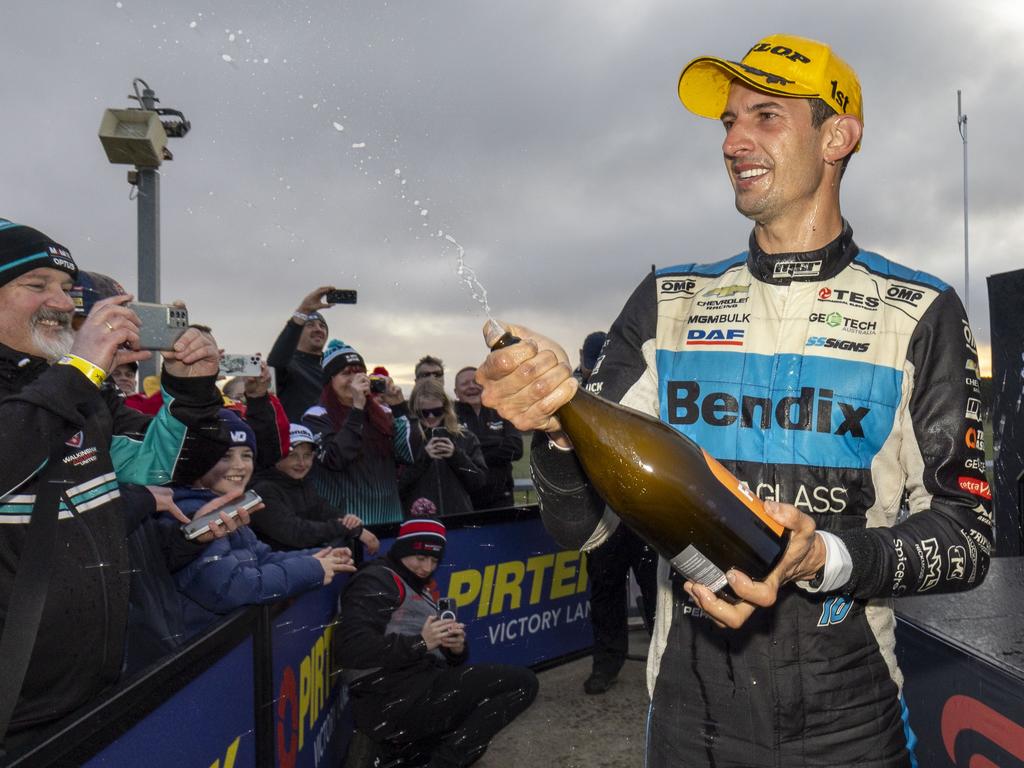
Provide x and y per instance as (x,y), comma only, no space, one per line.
(341,296)
(378,384)
(446,608)
(440,432)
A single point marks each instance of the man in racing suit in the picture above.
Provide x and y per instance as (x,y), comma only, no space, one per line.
(837,385)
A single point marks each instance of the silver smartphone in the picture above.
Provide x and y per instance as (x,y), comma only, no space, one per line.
(162,324)
(201,525)
(240,365)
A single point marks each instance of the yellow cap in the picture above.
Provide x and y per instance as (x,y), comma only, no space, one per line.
(783,64)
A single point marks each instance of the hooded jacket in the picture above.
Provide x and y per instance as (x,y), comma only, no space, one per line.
(295,516)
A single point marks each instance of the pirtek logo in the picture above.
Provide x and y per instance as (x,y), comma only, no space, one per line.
(809,412)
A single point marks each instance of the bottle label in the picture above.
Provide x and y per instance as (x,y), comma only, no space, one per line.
(742,492)
(694,566)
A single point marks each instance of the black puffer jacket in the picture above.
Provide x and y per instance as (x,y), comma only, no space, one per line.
(80,643)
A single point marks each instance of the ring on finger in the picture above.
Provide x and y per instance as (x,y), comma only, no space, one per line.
(109,326)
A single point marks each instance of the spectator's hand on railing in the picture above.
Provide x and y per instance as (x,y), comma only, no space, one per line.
(108,328)
(195,353)
(370,542)
(335,560)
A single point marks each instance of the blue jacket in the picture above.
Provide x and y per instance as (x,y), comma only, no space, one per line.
(237,570)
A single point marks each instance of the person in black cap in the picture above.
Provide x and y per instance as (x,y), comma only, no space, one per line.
(295,356)
(404,662)
(65,429)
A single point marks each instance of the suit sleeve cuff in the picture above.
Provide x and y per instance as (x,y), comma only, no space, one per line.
(838,566)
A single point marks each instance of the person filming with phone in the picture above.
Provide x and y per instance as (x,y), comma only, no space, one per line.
(69,443)
(403,654)
(451,465)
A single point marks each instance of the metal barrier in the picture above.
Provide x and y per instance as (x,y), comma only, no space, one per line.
(258,689)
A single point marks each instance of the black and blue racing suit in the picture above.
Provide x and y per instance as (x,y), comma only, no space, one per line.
(844,384)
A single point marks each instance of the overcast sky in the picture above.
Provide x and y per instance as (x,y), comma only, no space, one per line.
(333,140)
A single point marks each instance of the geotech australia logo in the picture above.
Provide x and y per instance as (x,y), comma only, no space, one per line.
(811,411)
(678,287)
(838,320)
(840,344)
(851,298)
(716,337)
(975,487)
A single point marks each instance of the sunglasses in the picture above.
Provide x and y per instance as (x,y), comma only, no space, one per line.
(425,374)
(431,413)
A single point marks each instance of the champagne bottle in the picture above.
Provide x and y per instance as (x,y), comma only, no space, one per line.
(677,497)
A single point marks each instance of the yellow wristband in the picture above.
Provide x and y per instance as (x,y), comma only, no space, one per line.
(93,373)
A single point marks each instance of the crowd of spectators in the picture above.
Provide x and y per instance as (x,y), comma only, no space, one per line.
(101,473)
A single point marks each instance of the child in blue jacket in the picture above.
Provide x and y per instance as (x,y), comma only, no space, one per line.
(239,569)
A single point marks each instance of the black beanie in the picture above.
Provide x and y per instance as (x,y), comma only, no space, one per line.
(23,249)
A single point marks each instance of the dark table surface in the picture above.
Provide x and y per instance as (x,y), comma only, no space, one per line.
(987,621)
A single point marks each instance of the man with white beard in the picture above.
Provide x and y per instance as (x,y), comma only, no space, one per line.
(67,442)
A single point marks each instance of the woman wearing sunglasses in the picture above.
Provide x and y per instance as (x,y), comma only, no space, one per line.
(450,464)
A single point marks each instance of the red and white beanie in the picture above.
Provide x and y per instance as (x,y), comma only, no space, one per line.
(420,536)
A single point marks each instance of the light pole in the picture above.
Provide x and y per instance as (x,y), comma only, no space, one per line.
(137,136)
(961,121)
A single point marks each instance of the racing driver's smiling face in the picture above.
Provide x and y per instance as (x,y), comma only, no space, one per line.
(773,154)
